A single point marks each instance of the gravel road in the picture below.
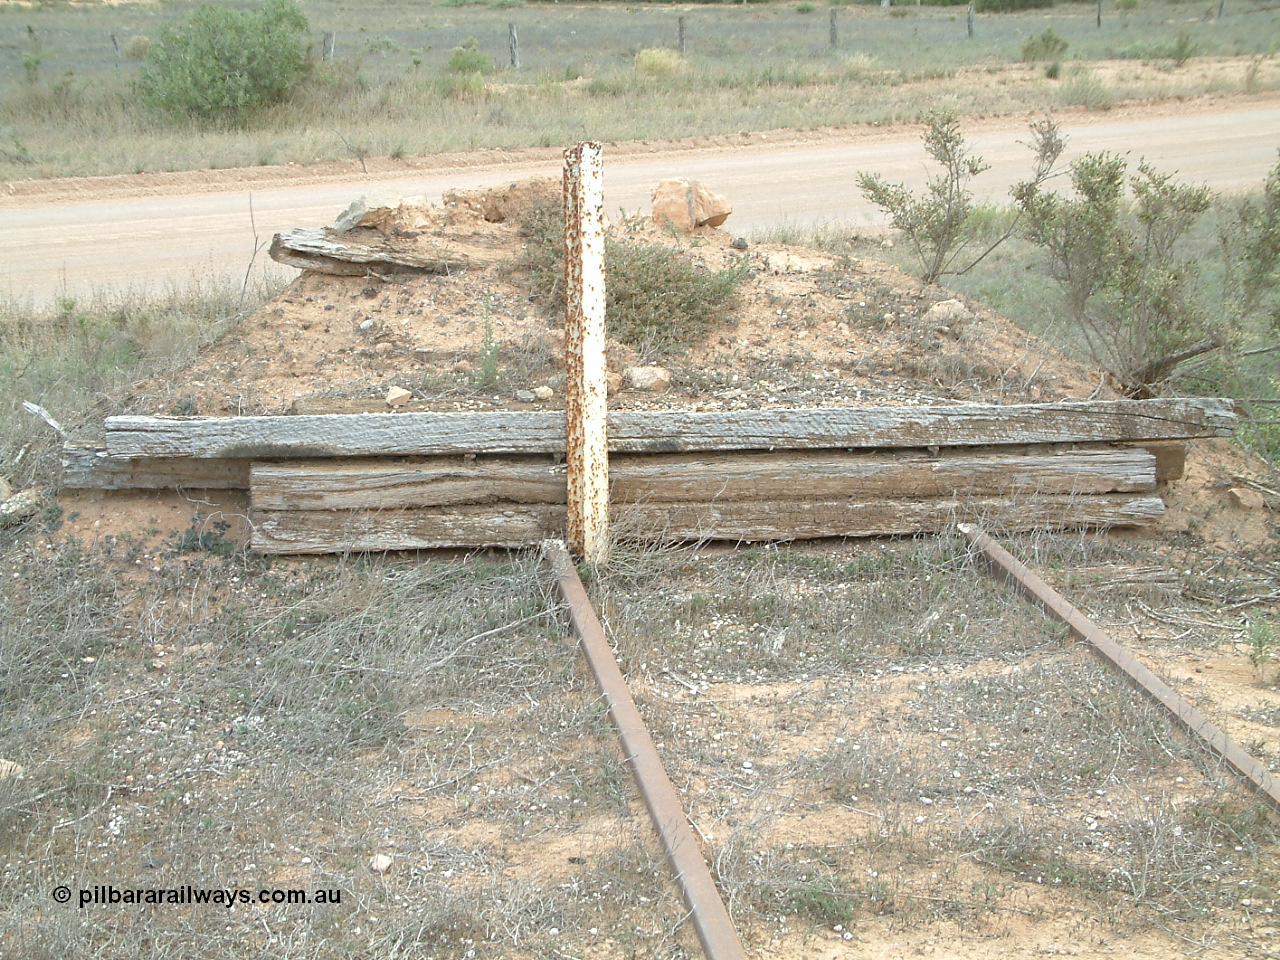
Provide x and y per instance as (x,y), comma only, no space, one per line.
(148,230)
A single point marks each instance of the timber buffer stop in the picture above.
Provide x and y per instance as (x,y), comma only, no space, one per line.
(369,482)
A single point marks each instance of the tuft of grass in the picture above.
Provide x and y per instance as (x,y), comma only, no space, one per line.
(1085,89)
(1044,46)
(658,62)
(69,356)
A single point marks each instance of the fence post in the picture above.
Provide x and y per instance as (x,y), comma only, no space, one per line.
(835,36)
(969,17)
(514,42)
(586,404)
(680,29)
(327,45)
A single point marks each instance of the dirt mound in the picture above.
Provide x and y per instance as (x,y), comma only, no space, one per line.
(806,330)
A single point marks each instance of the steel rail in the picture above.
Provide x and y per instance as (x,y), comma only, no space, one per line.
(1218,742)
(710,919)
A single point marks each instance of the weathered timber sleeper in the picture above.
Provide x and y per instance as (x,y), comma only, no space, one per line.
(282,437)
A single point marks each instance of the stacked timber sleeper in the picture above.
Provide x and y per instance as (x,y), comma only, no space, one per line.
(418,480)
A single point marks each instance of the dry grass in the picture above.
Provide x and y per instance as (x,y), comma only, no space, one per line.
(771,68)
(880,735)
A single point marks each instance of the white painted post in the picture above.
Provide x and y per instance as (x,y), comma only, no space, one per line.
(586,390)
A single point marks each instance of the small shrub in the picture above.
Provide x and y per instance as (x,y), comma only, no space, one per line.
(1126,6)
(656,299)
(805,8)
(1128,280)
(1183,48)
(1054,70)
(225,64)
(467,59)
(1263,644)
(1044,46)
(938,223)
(658,62)
(137,46)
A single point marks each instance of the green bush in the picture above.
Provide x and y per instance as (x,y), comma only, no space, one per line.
(1044,46)
(656,299)
(467,59)
(225,64)
(1125,270)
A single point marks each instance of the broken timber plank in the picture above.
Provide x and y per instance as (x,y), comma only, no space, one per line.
(259,438)
(515,525)
(666,478)
(89,468)
(322,251)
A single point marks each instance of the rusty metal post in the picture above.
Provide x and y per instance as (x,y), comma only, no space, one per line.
(586,405)
(710,918)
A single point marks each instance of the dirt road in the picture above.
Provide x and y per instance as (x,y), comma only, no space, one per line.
(148,230)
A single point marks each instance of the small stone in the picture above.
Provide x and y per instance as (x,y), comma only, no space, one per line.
(526,396)
(543,393)
(1246,499)
(398,397)
(21,506)
(366,326)
(647,378)
(383,348)
(6,491)
(10,770)
(740,243)
(947,312)
(376,209)
(381,863)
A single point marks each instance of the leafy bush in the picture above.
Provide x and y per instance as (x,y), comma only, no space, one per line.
(939,223)
(1129,286)
(468,59)
(225,63)
(1044,46)
(656,299)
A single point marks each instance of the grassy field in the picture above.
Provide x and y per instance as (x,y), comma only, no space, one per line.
(67,107)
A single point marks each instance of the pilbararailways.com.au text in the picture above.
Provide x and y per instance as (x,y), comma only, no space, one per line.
(187,895)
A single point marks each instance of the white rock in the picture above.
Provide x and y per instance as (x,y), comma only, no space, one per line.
(381,863)
(377,209)
(948,311)
(21,506)
(543,393)
(6,491)
(398,397)
(1246,499)
(688,204)
(526,396)
(10,770)
(647,378)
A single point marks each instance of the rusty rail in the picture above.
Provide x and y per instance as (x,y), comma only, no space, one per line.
(710,919)
(1254,773)
(586,408)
